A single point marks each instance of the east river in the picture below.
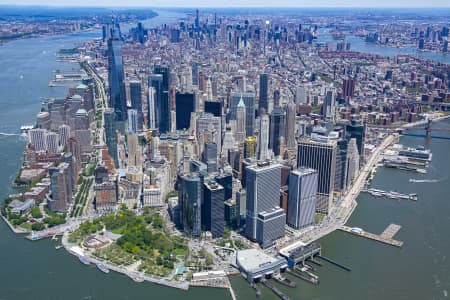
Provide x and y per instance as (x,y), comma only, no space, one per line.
(35,270)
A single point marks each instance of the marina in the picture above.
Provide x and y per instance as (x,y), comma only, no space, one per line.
(386,237)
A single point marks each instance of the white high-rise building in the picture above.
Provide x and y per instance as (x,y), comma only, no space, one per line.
(132,121)
(151,118)
(264,138)
(64,134)
(37,138)
(240,122)
(51,142)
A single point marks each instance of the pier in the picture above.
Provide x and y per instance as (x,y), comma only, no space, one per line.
(302,276)
(274,289)
(386,237)
(390,194)
(334,263)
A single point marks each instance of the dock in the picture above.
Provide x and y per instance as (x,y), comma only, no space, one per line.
(386,237)
(274,289)
(390,194)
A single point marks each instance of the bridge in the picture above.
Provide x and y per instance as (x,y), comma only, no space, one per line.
(425,125)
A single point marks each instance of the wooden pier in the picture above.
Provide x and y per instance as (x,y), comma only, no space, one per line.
(386,237)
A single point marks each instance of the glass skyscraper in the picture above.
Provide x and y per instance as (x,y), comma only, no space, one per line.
(116,79)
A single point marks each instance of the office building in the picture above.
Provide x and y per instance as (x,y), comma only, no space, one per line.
(116,81)
(213,215)
(185,105)
(189,197)
(291,113)
(155,98)
(240,122)
(210,156)
(263,93)
(302,197)
(277,130)
(356,130)
(264,137)
(263,193)
(110,134)
(249,102)
(270,226)
(320,156)
(162,99)
(136,101)
(133,121)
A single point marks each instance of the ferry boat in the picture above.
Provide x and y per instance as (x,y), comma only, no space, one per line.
(418,153)
(102,268)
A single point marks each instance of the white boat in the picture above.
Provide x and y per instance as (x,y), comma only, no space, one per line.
(102,268)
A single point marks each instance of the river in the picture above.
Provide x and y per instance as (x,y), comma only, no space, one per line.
(35,270)
(358,44)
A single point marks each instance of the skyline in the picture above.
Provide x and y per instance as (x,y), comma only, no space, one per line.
(236,4)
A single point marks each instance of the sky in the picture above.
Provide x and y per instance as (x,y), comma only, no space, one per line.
(236,3)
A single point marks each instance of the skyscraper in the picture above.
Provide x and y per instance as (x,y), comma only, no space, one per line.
(155,82)
(51,142)
(240,121)
(60,187)
(116,82)
(277,129)
(348,87)
(291,113)
(132,121)
(264,92)
(64,134)
(302,197)
(320,156)
(151,109)
(356,130)
(210,156)
(189,197)
(136,101)
(263,193)
(37,138)
(185,105)
(110,134)
(163,99)
(264,137)
(213,215)
(249,101)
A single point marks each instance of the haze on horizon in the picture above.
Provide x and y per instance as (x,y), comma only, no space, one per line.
(234,3)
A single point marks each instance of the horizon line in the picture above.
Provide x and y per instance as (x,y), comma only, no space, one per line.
(220,6)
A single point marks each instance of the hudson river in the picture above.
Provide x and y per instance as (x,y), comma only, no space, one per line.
(35,270)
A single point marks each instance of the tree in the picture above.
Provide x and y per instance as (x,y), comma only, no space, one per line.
(37,226)
(36,213)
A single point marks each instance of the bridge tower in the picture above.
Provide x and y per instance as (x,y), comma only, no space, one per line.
(428,129)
